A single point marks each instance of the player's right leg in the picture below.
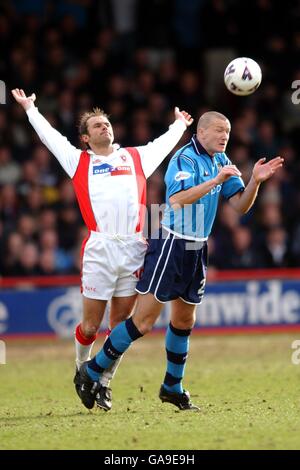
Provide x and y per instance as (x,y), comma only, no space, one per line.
(86,331)
(85,335)
(97,284)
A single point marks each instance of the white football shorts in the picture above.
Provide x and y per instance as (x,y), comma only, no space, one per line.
(111,265)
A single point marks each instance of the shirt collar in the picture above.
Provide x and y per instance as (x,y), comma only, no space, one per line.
(198,147)
(115,147)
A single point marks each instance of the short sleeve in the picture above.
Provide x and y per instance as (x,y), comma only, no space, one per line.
(180,175)
(233,185)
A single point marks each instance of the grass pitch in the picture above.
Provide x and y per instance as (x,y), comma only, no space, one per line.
(247,387)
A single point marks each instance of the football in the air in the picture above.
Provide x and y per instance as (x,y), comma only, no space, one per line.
(242,76)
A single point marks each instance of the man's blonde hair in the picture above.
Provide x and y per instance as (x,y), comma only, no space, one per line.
(206,119)
(82,126)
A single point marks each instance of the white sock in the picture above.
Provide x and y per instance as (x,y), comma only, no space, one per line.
(109,373)
(82,349)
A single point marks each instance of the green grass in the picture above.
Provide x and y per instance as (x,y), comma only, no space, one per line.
(247,387)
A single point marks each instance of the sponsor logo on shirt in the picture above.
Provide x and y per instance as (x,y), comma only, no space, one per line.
(182,175)
(102,169)
(121,170)
(105,168)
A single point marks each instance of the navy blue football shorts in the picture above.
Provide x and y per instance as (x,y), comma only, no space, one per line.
(174,268)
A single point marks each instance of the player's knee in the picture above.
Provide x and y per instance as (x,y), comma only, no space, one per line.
(89,329)
(184,324)
(116,319)
(144,325)
(145,328)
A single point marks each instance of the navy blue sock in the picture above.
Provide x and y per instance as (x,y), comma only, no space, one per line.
(115,345)
(177,347)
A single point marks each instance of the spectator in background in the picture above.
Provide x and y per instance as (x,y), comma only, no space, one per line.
(241,155)
(243,254)
(62,260)
(47,263)
(275,250)
(28,262)
(9,170)
(47,219)
(29,178)
(11,254)
(9,205)
(34,201)
(266,143)
(228,221)
(68,215)
(4,132)
(27,227)
(42,158)
(270,216)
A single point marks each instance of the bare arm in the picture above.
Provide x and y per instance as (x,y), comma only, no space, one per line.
(197,192)
(242,202)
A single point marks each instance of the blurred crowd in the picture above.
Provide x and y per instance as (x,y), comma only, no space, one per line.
(136,60)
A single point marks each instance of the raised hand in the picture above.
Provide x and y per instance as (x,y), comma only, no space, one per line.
(25,101)
(263,171)
(183,116)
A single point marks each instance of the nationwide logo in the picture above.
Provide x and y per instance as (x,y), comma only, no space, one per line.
(105,168)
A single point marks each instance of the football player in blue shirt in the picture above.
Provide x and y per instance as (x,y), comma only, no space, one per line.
(176,260)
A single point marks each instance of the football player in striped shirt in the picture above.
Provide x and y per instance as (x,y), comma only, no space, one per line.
(110,185)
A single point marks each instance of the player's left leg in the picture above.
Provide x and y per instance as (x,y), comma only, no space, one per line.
(146,312)
(121,308)
(183,315)
(177,343)
(177,348)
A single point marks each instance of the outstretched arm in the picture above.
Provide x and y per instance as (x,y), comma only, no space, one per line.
(155,152)
(262,171)
(66,154)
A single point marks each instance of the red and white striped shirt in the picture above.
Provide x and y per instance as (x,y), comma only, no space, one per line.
(111,190)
